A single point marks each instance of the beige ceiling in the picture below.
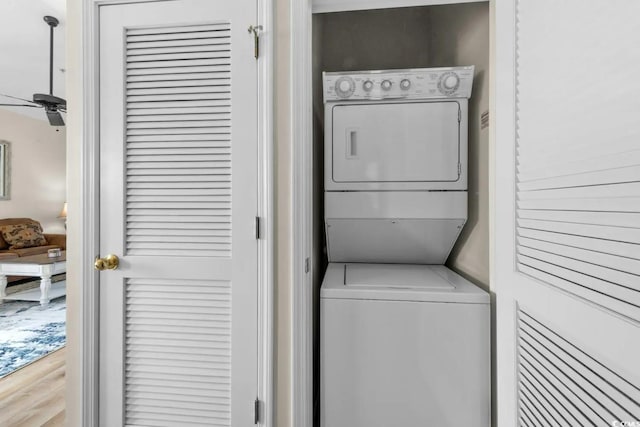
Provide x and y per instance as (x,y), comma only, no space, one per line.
(24,51)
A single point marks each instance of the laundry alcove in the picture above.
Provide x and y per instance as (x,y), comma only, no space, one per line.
(354,37)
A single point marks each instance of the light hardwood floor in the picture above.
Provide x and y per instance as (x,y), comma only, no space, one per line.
(34,395)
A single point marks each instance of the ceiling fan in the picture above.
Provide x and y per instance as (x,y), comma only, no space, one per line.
(52,104)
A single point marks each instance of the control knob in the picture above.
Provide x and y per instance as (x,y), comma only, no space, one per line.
(367,85)
(345,87)
(405,84)
(386,84)
(449,83)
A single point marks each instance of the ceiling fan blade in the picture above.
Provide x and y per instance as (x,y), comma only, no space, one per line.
(55,118)
(20,105)
(19,99)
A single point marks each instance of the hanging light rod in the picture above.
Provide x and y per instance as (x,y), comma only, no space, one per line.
(52,22)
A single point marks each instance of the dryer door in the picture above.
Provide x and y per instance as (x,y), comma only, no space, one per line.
(401,143)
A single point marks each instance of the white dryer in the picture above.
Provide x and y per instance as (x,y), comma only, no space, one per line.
(395,171)
(404,341)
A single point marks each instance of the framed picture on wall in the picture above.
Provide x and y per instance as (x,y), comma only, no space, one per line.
(5,172)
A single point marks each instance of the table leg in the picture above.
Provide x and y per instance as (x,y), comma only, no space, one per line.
(45,286)
(3,286)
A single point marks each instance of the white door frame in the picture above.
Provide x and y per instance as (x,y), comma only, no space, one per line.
(503,155)
(89,217)
(302,219)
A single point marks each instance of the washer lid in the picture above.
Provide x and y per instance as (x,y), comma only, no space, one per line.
(395,276)
(399,282)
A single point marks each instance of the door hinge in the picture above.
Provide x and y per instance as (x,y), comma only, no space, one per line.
(255,30)
(258,227)
(256,411)
(307,265)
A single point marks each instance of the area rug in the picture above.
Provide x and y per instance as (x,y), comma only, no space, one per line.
(29,331)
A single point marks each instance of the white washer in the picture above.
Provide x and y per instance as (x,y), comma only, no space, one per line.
(403,345)
(403,341)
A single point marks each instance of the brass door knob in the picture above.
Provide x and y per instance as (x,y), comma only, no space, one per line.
(110,262)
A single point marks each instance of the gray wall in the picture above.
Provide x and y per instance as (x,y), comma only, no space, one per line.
(38,177)
(461,37)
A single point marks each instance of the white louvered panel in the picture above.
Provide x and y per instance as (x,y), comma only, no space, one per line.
(560,384)
(594,204)
(620,234)
(624,282)
(178,54)
(578,161)
(187,79)
(610,262)
(614,176)
(178,146)
(171,72)
(538,169)
(215,79)
(177,352)
(175,52)
(179,43)
(578,150)
(160,117)
(600,191)
(182,34)
(141,141)
(597,291)
(620,249)
(186,113)
(621,219)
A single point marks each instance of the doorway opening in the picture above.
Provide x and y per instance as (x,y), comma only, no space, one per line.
(33,195)
(409,37)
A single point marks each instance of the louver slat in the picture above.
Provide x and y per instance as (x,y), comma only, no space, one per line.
(177,44)
(620,219)
(577,174)
(157,116)
(178,35)
(177,361)
(138,56)
(619,234)
(207,70)
(611,263)
(564,385)
(178,149)
(563,280)
(623,280)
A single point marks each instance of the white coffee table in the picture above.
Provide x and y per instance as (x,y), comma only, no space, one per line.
(36,265)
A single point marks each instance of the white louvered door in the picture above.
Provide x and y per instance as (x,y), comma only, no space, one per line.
(178,200)
(567,213)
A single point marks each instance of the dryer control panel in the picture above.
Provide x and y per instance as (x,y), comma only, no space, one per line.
(418,83)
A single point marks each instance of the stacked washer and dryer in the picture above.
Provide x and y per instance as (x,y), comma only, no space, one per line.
(404,340)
